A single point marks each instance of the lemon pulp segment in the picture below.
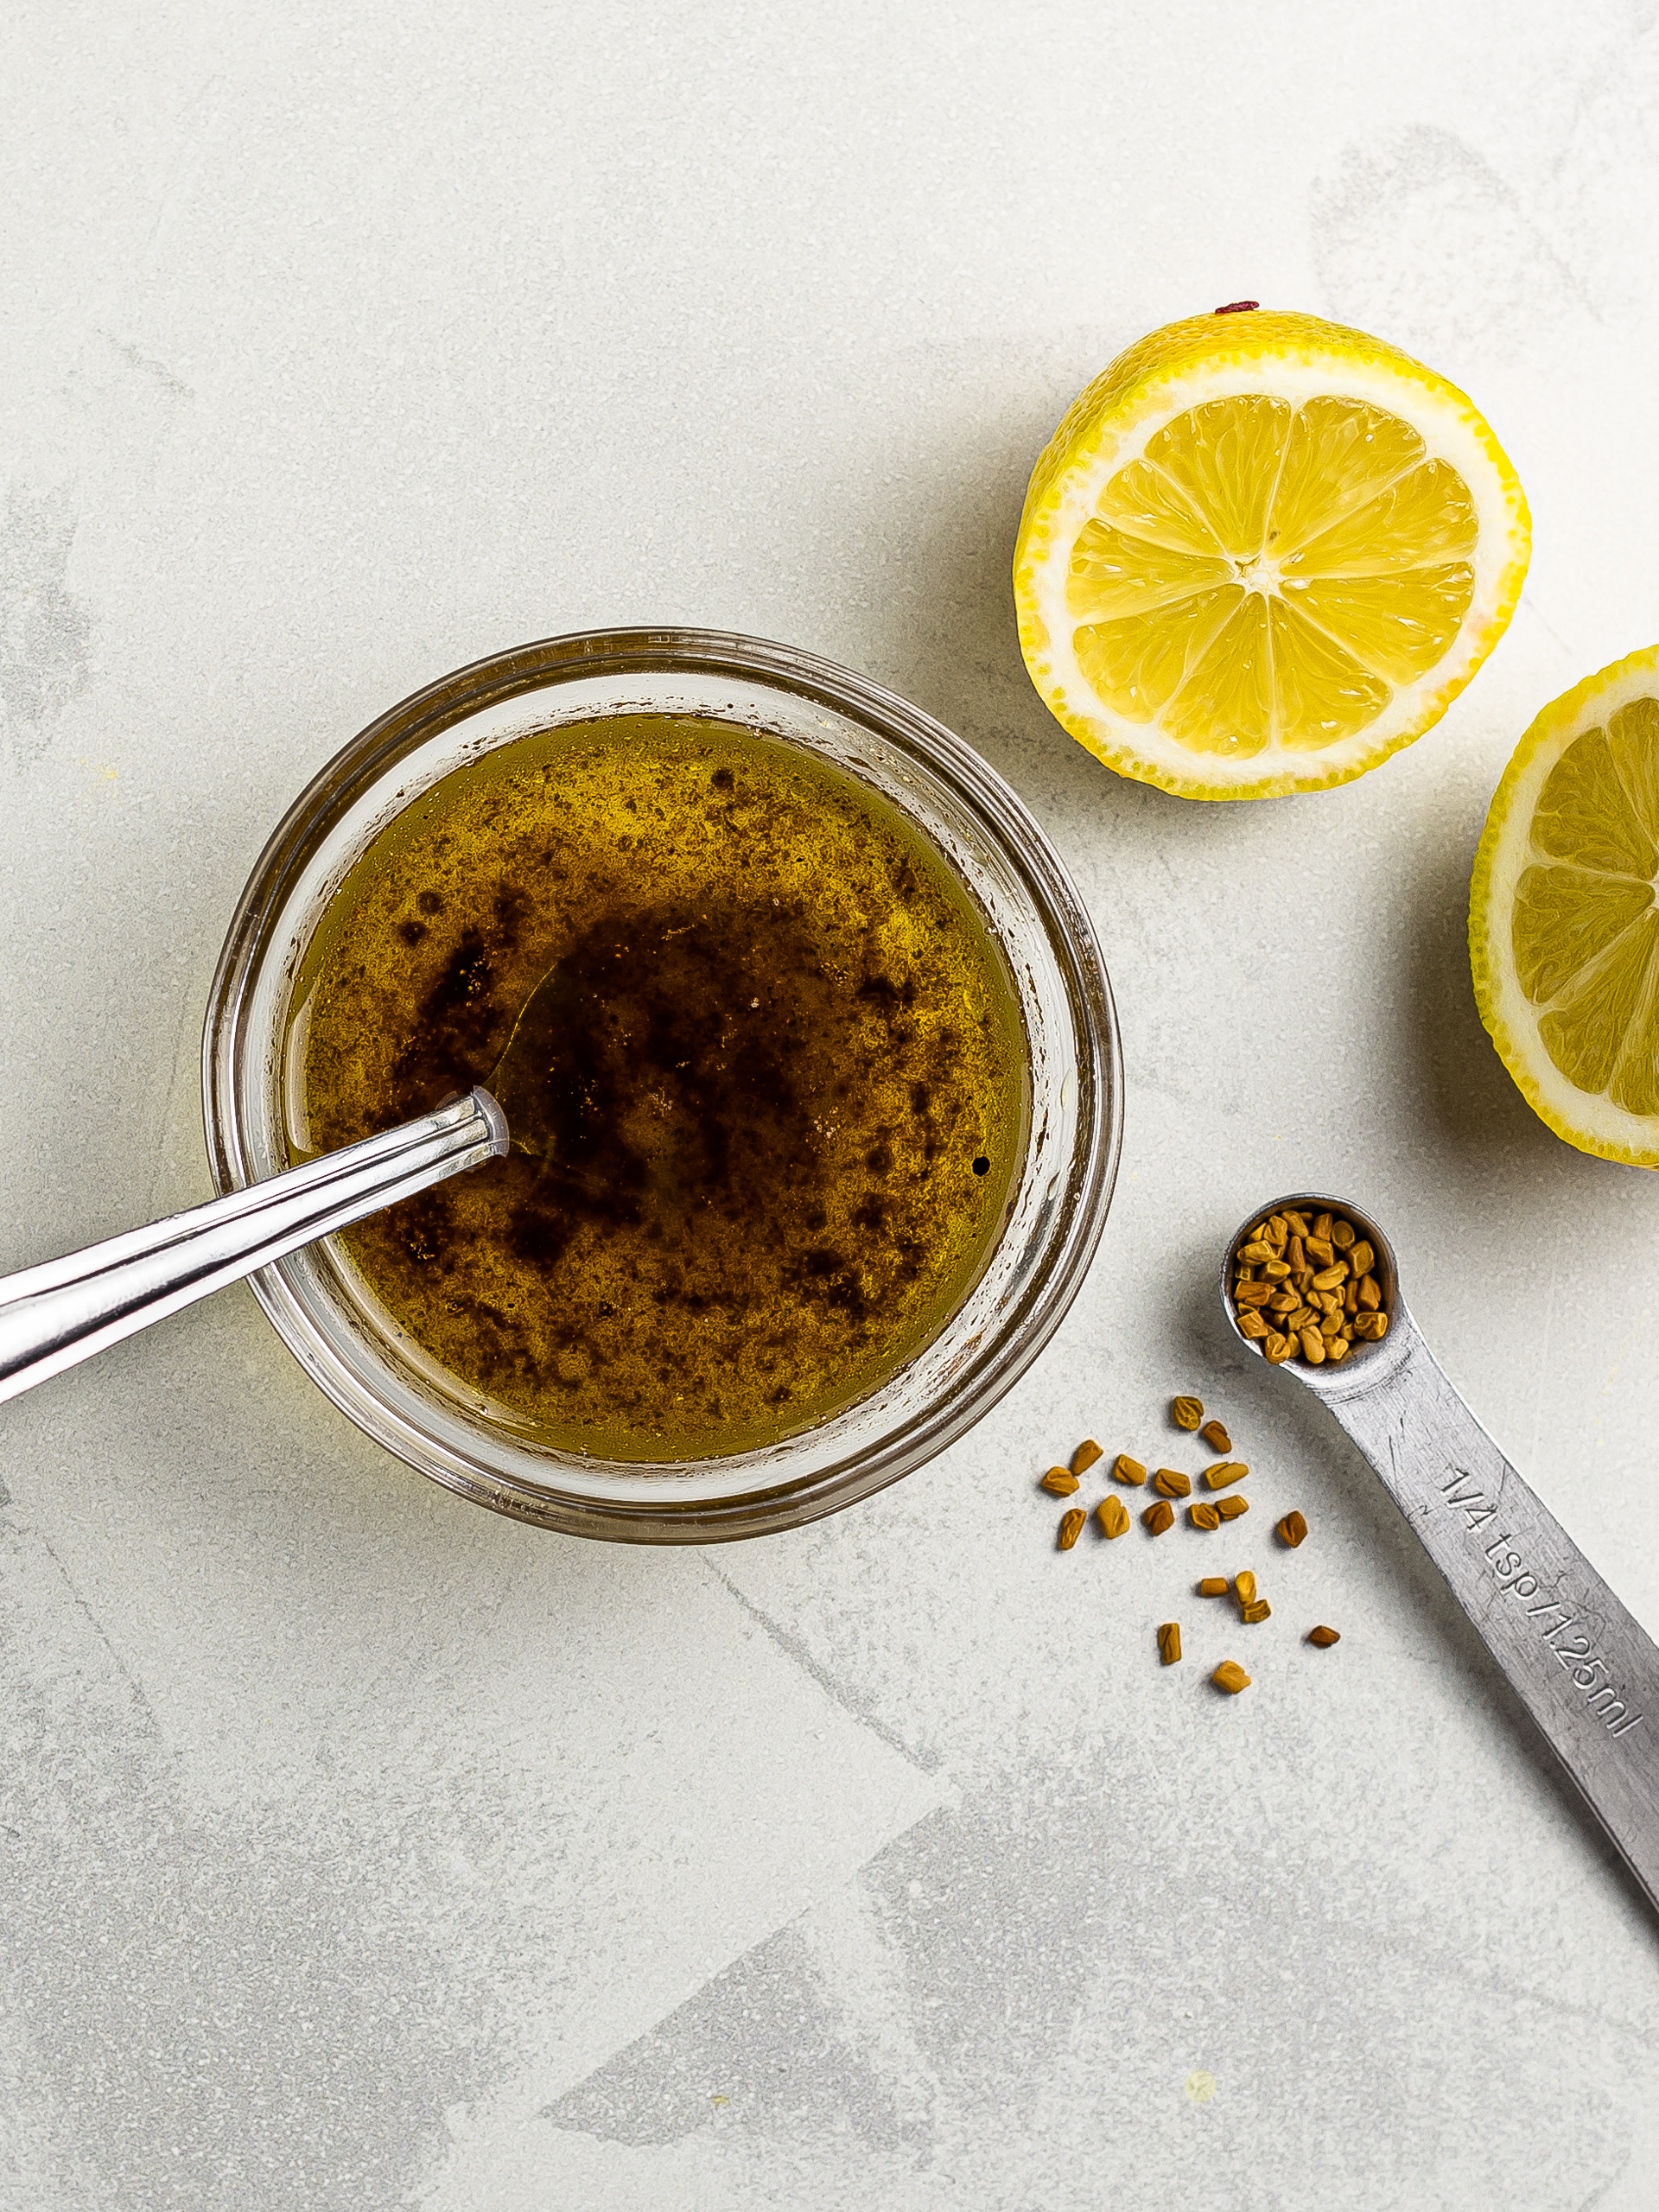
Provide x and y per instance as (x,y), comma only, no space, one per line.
(1269,573)
(1564,914)
(1585,929)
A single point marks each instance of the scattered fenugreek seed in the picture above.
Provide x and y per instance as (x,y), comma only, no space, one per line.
(1072,1527)
(1258,1609)
(1229,1509)
(1213,1586)
(1325,1638)
(1058,1483)
(1216,1436)
(1226,1472)
(1244,1586)
(1129,1471)
(1186,1413)
(1203,1514)
(1169,1642)
(1170,1482)
(1231,1677)
(1158,1517)
(1085,1456)
(1113,1516)
(1292,1530)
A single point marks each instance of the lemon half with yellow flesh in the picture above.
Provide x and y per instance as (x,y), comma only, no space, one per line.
(1263,552)
(1564,914)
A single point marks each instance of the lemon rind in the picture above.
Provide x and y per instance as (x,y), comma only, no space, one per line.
(1589,1121)
(1297,357)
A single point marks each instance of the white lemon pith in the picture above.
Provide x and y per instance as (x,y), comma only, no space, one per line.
(1564,914)
(1262,553)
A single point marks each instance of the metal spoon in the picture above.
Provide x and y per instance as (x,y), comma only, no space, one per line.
(54,1315)
(1585,1671)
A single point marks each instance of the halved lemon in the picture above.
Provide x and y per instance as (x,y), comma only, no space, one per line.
(1563,920)
(1262,553)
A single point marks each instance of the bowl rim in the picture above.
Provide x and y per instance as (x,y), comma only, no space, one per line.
(367,760)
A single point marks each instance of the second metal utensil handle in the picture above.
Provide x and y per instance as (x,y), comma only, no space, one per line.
(66,1310)
(1584,1669)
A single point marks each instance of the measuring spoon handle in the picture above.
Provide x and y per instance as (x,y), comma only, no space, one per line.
(1584,1669)
(64,1310)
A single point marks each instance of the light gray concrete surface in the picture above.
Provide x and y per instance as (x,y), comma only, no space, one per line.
(361,1850)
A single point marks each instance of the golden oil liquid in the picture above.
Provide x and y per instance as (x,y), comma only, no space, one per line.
(788,1102)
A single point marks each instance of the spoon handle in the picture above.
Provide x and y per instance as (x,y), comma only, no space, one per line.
(1584,1669)
(64,1310)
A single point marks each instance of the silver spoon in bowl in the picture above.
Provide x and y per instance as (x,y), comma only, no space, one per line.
(63,1311)
(1584,1669)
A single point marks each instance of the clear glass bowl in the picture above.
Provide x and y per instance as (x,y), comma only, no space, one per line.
(1058,1203)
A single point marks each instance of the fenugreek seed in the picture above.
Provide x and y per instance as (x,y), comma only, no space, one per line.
(1322,1226)
(1278,1229)
(1342,1235)
(1278,1348)
(1325,1638)
(1321,1253)
(1229,1509)
(1294,1256)
(1072,1527)
(1170,1482)
(1338,1348)
(1292,1530)
(1331,1278)
(1216,1436)
(1125,1470)
(1186,1413)
(1224,1471)
(1058,1483)
(1257,1233)
(1258,1611)
(1203,1514)
(1157,1518)
(1213,1586)
(1169,1642)
(1251,1324)
(1252,1294)
(1257,1253)
(1331,1327)
(1244,1586)
(1112,1515)
(1085,1456)
(1350,1297)
(1361,1259)
(1231,1677)
(1296,1221)
(1286,1301)
(1371,1293)
(1312,1347)
(1274,1271)
(1372,1326)
(1302,1316)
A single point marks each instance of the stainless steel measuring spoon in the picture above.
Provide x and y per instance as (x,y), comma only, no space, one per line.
(1585,1671)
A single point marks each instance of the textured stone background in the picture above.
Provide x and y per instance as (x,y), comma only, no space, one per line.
(359,1850)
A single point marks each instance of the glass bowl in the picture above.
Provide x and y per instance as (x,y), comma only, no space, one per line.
(1058,1200)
